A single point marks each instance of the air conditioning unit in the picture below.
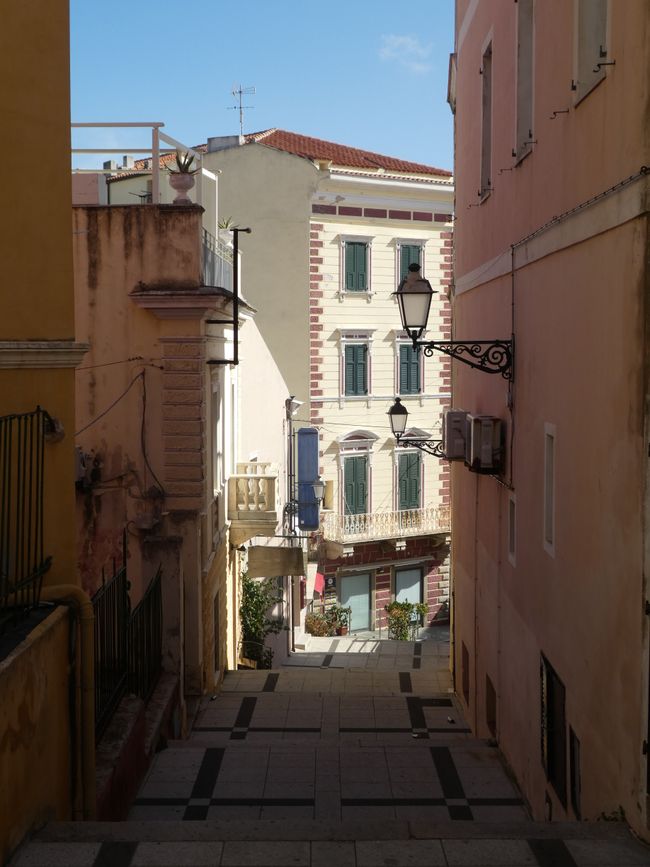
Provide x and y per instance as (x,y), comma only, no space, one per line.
(453,434)
(483,443)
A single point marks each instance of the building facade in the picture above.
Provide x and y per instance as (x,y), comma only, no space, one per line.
(333,229)
(551,243)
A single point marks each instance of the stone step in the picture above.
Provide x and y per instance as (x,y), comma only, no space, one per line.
(347,844)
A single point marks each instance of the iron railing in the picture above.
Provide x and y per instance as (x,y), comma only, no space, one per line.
(145,641)
(217,263)
(112,609)
(22,560)
(128,645)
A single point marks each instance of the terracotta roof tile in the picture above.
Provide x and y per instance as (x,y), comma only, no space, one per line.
(340,155)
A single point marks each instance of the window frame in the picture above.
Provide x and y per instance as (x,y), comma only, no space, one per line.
(553,729)
(355,443)
(525,80)
(512,529)
(485,165)
(582,52)
(404,453)
(355,337)
(365,240)
(400,243)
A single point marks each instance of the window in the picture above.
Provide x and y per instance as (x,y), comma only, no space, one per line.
(574,764)
(549,489)
(524,131)
(486,123)
(356,266)
(409,370)
(408,254)
(490,706)
(512,528)
(553,728)
(591,54)
(464,671)
(408,480)
(355,485)
(356,369)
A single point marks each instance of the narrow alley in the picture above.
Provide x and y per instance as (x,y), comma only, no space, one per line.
(354,754)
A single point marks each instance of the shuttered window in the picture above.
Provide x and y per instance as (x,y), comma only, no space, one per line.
(409,370)
(356,266)
(356,369)
(408,255)
(409,481)
(355,485)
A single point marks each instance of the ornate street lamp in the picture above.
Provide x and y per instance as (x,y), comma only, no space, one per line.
(398,416)
(319,490)
(414,295)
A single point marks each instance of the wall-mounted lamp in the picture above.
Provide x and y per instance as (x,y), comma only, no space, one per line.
(398,416)
(319,490)
(414,299)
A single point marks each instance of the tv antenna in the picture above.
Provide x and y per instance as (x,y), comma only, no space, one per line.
(239,92)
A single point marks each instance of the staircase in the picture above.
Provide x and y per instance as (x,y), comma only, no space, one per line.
(353,755)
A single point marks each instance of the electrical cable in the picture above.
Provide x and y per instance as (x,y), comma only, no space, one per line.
(115,402)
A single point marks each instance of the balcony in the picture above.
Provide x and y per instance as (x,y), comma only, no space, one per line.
(252,501)
(386,525)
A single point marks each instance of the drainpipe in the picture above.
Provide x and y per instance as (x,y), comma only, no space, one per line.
(75,596)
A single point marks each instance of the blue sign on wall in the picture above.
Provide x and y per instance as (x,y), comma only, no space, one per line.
(307,475)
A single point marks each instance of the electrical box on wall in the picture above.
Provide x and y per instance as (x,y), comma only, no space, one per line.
(484,443)
(453,434)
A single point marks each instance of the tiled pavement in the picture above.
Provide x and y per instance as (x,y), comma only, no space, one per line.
(355,753)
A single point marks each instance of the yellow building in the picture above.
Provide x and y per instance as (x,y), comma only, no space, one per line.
(38,355)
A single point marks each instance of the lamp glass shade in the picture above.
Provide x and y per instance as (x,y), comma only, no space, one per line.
(398,415)
(414,301)
(319,488)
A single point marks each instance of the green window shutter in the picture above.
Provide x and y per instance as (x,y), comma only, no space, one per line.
(356,266)
(356,369)
(408,473)
(408,253)
(355,484)
(409,370)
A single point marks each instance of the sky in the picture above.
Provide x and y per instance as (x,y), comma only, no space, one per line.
(356,72)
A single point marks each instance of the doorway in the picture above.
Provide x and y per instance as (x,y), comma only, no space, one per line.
(355,594)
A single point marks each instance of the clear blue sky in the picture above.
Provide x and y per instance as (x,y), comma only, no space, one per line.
(359,72)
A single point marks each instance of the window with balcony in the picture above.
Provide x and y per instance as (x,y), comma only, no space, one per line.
(409,473)
(355,485)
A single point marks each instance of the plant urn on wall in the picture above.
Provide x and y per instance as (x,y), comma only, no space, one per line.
(181,178)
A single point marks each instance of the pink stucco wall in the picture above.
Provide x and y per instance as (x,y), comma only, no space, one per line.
(576,301)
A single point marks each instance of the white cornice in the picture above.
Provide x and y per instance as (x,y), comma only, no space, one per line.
(16,354)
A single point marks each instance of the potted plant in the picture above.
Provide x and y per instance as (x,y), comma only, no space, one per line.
(343,621)
(181,178)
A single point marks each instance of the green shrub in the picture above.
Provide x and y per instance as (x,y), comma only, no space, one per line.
(403,618)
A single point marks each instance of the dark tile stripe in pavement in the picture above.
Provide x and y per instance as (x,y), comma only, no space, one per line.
(452,788)
(244,717)
(551,853)
(204,784)
(327,660)
(115,854)
(270,683)
(417,656)
(405,684)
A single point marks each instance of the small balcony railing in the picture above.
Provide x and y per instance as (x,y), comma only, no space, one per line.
(217,262)
(22,559)
(385,525)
